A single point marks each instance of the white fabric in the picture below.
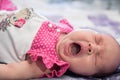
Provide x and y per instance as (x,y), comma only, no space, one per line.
(15,42)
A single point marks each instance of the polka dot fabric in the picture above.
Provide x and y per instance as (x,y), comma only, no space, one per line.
(44,44)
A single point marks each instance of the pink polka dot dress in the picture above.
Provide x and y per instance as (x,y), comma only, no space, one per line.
(44,43)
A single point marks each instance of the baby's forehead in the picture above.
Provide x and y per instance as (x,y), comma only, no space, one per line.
(103,31)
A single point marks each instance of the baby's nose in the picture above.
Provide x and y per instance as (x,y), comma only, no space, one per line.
(92,48)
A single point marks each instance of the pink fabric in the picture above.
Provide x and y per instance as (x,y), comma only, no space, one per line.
(43,46)
(20,22)
(7,5)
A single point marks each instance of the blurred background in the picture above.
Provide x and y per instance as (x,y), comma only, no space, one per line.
(100,15)
(91,4)
(79,4)
(70,8)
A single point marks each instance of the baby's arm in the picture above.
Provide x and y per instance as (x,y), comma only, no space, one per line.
(22,70)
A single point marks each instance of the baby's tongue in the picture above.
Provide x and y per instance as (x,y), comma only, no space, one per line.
(80,48)
(75,48)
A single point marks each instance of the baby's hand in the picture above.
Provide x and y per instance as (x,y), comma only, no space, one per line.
(22,70)
(47,71)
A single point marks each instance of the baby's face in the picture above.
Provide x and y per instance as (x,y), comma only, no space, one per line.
(89,52)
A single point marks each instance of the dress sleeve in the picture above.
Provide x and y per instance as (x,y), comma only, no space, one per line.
(44,45)
(58,67)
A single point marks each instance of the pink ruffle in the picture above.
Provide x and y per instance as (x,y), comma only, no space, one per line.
(65,21)
(43,47)
(7,5)
(55,73)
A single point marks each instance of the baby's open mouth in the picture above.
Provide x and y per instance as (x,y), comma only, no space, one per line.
(75,48)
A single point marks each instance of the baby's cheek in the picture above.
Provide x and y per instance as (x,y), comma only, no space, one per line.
(84,66)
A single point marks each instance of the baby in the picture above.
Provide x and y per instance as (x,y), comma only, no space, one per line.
(34,47)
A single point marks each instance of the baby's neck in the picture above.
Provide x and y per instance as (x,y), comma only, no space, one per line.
(61,37)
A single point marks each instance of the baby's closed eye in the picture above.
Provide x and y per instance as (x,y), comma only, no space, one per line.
(98,38)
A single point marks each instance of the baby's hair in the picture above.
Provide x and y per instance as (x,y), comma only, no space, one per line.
(102,74)
(99,74)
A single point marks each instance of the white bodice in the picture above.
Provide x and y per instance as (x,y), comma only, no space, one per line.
(15,42)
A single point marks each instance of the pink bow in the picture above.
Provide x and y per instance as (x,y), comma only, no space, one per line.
(19,23)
